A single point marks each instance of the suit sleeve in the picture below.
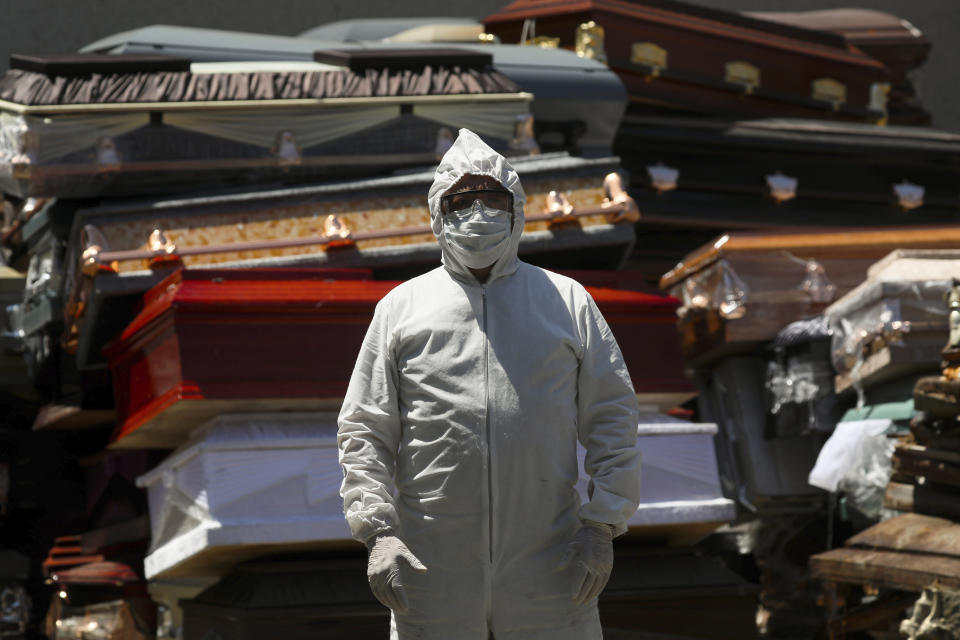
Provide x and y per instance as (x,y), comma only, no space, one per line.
(369,434)
(607,424)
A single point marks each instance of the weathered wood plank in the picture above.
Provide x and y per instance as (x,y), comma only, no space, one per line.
(912,532)
(886,569)
(932,500)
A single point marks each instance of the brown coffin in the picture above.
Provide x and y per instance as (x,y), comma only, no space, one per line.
(676,55)
(771,269)
(215,341)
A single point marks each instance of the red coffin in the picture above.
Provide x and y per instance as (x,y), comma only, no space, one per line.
(692,47)
(217,341)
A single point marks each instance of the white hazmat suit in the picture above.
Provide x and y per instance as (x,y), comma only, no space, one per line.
(458,436)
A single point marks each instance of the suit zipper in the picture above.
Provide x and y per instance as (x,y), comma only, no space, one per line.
(486,412)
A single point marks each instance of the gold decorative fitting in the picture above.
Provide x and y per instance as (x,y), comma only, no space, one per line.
(744,74)
(285,148)
(589,42)
(562,211)
(662,177)
(544,42)
(334,227)
(615,195)
(651,55)
(94,243)
(909,195)
(830,90)
(782,188)
(879,94)
(162,249)
(558,205)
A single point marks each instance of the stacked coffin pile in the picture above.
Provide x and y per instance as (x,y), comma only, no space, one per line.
(242,370)
(166,320)
(926,462)
(894,318)
(769,387)
(766,348)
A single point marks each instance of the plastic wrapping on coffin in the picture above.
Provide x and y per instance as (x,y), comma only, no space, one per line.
(799,381)
(894,323)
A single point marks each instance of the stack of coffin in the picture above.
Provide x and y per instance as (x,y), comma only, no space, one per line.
(248,485)
(740,290)
(214,341)
(893,324)
(769,386)
(91,124)
(926,462)
(578,103)
(377,224)
(683,57)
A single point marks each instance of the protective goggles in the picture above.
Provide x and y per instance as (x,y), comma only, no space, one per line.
(463,201)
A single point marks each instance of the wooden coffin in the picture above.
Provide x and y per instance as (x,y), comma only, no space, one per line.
(847,174)
(91,124)
(740,290)
(208,342)
(680,56)
(888,38)
(214,341)
(385,221)
(248,485)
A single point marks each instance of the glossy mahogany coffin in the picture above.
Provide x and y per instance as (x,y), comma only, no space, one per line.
(216,341)
(681,56)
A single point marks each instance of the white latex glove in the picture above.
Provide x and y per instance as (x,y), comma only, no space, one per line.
(592,550)
(383,572)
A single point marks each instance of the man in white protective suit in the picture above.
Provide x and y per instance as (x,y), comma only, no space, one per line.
(458,432)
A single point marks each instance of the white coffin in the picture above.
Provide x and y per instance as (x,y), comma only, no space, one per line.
(254,484)
(245,485)
(680,495)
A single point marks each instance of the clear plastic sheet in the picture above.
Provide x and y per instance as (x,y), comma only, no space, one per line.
(856,460)
(80,155)
(773,279)
(716,287)
(799,381)
(884,314)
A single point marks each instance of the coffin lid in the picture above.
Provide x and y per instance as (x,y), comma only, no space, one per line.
(82,64)
(851,242)
(360,59)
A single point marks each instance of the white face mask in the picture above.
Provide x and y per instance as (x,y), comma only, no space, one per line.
(479,239)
